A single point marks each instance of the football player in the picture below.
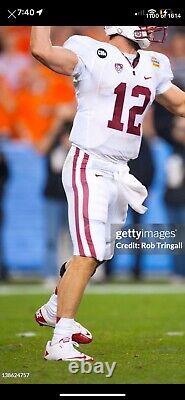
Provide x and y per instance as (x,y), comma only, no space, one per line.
(116,82)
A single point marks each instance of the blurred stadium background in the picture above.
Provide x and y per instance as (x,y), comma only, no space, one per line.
(36,111)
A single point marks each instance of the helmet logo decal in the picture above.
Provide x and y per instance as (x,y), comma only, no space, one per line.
(120,31)
(138,34)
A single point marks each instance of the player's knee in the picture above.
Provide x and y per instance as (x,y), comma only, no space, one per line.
(85,263)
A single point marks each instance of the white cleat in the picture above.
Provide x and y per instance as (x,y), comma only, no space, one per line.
(64,351)
(80,334)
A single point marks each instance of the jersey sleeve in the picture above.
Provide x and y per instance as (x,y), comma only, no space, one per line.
(166,75)
(82,46)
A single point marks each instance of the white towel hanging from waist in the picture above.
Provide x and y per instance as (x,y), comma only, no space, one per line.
(134,192)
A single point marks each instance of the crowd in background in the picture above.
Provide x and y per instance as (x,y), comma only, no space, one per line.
(37,107)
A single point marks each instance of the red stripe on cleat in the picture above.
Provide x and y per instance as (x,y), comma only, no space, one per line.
(81,339)
(80,358)
(40,319)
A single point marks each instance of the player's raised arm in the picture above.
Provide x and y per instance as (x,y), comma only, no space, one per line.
(174,100)
(57,58)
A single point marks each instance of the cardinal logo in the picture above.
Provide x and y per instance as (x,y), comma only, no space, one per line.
(118,67)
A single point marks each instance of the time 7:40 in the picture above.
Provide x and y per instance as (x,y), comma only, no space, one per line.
(30,12)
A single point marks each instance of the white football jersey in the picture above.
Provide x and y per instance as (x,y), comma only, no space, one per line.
(113,96)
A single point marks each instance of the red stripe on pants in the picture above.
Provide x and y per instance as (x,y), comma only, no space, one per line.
(86,205)
(76,203)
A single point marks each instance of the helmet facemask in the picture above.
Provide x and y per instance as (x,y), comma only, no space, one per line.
(155,34)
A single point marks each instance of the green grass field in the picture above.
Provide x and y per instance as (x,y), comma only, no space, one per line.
(130,329)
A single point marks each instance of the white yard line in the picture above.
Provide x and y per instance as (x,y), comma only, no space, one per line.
(125,289)
(175,333)
(136,289)
(26,334)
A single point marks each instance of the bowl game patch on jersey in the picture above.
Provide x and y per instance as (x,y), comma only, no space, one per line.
(155,62)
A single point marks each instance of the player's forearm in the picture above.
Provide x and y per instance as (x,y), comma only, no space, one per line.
(57,58)
(179,102)
(181,109)
(40,41)
(173,100)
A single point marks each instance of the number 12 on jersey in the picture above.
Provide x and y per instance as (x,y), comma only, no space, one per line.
(120,92)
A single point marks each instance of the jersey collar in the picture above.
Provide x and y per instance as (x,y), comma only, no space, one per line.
(134,63)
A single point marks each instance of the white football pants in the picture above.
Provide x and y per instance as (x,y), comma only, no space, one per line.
(96,203)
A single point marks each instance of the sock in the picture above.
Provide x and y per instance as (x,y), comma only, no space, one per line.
(51,306)
(62,329)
